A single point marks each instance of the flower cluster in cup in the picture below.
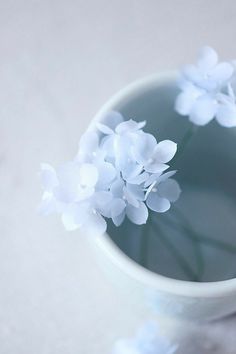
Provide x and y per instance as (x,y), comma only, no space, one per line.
(116,173)
(121,170)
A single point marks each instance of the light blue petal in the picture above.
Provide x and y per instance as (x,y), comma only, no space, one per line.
(226,115)
(117,188)
(222,72)
(104,129)
(137,215)
(164,151)
(129,126)
(207,59)
(118,220)
(112,119)
(169,189)
(203,111)
(96,224)
(143,177)
(106,173)
(157,203)
(117,207)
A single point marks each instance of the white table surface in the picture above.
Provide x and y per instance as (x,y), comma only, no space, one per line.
(59,62)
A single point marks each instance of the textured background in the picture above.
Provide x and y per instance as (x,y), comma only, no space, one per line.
(59,62)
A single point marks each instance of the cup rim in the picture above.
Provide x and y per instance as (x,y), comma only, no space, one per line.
(134,270)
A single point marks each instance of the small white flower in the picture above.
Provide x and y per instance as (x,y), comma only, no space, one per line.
(83,214)
(226,113)
(70,191)
(201,90)
(72,182)
(152,156)
(208,74)
(147,341)
(117,172)
(127,199)
(162,191)
(118,141)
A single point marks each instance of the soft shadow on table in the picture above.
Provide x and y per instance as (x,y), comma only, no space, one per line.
(217,337)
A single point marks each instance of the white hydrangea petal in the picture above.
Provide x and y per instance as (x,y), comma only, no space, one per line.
(48,177)
(149,189)
(117,207)
(118,220)
(169,189)
(136,191)
(157,203)
(107,144)
(75,216)
(130,169)
(152,178)
(68,187)
(165,151)
(130,197)
(203,111)
(137,215)
(156,167)
(117,188)
(141,178)
(107,174)
(141,125)
(102,201)
(158,177)
(121,151)
(143,148)
(191,73)
(226,115)
(129,125)
(104,128)
(207,59)
(222,72)
(69,174)
(88,142)
(84,193)
(231,92)
(184,84)
(96,224)
(166,175)
(112,119)
(88,174)
(183,103)
(77,213)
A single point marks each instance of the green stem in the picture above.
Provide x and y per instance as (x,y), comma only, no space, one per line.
(199,258)
(185,140)
(201,237)
(176,254)
(197,246)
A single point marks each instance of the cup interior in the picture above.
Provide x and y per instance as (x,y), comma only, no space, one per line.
(206,172)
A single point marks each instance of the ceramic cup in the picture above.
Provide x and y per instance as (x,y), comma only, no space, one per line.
(165,292)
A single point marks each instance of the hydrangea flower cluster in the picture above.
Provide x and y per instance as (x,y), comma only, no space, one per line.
(206,91)
(147,341)
(119,171)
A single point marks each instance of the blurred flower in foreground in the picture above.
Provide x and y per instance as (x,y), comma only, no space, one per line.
(118,172)
(147,341)
(206,91)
